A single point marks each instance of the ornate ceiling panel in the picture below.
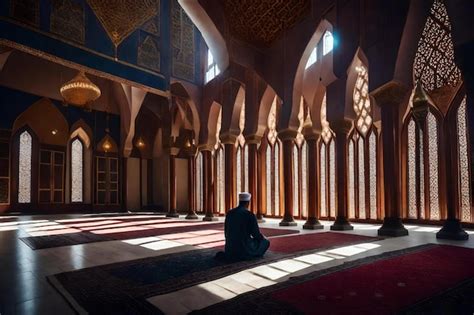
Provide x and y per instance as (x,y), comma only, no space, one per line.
(121,18)
(262,22)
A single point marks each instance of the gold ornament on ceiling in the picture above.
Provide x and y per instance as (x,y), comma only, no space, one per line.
(262,22)
(80,90)
(121,17)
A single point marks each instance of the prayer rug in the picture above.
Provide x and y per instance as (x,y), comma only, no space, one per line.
(82,232)
(122,288)
(428,279)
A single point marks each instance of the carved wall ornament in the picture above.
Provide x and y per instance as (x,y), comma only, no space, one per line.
(182,43)
(121,18)
(149,54)
(26,11)
(262,22)
(67,20)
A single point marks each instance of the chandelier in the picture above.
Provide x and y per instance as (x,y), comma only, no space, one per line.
(80,90)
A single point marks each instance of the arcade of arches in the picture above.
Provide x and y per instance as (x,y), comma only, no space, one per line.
(344,114)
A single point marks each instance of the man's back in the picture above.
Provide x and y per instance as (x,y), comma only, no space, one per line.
(243,237)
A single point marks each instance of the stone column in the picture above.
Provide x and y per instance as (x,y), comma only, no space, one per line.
(261,187)
(229,155)
(207,184)
(389,98)
(313,183)
(341,129)
(191,187)
(252,145)
(172,180)
(288,139)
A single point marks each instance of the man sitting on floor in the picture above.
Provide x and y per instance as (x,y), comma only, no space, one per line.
(243,239)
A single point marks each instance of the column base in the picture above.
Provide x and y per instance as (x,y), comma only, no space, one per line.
(341,224)
(172,214)
(260,218)
(288,222)
(191,216)
(313,224)
(452,230)
(392,227)
(209,218)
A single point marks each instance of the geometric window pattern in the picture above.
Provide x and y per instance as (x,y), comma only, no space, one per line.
(242,156)
(327,160)
(362,154)
(220,174)
(423,169)
(300,165)
(434,61)
(77,165)
(272,164)
(199,183)
(464,181)
(362,106)
(24,174)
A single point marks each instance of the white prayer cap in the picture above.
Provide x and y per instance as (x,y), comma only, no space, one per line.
(245,196)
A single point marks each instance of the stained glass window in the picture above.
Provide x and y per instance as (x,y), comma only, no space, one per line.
(433,166)
(296,187)
(422,175)
(77,169)
(272,164)
(199,184)
(463,164)
(242,156)
(373,174)
(24,175)
(332,179)
(361,184)
(434,60)
(239,170)
(322,184)
(411,137)
(351,201)
(304,180)
(220,173)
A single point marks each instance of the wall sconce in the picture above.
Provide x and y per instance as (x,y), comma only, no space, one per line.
(54,132)
(106,146)
(140,143)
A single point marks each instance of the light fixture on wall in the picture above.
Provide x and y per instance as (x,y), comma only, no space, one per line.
(359,69)
(106,145)
(54,132)
(140,143)
(187,143)
(80,91)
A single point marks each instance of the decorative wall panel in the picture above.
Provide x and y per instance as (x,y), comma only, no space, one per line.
(148,55)
(26,11)
(182,43)
(67,20)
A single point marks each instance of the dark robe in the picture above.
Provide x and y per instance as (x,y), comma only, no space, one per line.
(243,239)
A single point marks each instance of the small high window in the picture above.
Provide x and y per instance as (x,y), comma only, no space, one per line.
(212,69)
(328,43)
(312,58)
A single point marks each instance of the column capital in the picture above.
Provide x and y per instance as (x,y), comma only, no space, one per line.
(390,94)
(312,135)
(342,126)
(287,134)
(205,147)
(228,138)
(253,139)
(174,151)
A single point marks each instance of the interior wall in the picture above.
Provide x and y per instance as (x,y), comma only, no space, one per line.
(144,182)
(133,184)
(160,181)
(182,203)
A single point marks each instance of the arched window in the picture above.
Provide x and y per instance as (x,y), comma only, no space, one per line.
(220,173)
(327,164)
(300,159)
(272,165)
(433,68)
(312,58)
(77,171)
(199,184)
(464,167)
(212,69)
(362,154)
(24,169)
(328,43)
(242,156)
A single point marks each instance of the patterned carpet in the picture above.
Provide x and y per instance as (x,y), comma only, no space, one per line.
(122,288)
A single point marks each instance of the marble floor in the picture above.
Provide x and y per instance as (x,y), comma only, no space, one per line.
(25,290)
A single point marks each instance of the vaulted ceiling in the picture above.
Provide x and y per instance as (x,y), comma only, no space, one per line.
(262,22)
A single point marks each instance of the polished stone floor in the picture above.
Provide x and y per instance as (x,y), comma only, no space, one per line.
(25,290)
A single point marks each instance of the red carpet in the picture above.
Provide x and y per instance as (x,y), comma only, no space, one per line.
(292,244)
(384,287)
